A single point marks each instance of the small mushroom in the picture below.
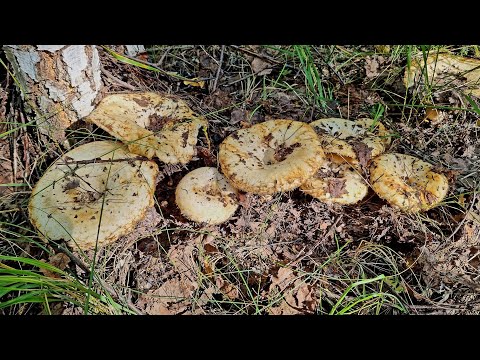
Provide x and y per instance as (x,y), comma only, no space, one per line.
(150,124)
(355,141)
(336,182)
(97,190)
(407,182)
(204,195)
(273,156)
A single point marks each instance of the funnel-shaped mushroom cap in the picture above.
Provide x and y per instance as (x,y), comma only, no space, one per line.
(204,195)
(336,182)
(355,141)
(150,124)
(407,182)
(97,188)
(273,156)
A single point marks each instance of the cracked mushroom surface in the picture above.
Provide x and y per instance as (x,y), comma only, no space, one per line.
(355,141)
(150,124)
(204,195)
(269,157)
(336,182)
(99,188)
(407,182)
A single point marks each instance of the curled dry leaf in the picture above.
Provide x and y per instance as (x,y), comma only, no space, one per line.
(336,182)
(96,191)
(272,156)
(261,67)
(168,299)
(150,124)
(60,261)
(372,65)
(407,182)
(195,82)
(444,69)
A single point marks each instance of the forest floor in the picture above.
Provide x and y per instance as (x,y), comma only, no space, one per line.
(286,253)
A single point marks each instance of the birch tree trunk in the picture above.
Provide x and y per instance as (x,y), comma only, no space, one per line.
(60,83)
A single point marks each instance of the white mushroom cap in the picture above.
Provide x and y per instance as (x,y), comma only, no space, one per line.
(150,124)
(204,195)
(99,187)
(407,182)
(355,141)
(273,156)
(336,182)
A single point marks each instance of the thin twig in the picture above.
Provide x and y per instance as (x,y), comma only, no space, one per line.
(219,69)
(117,80)
(98,161)
(262,56)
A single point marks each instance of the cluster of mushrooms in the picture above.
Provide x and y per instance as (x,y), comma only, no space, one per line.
(112,183)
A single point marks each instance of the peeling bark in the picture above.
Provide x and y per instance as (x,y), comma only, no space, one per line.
(60,83)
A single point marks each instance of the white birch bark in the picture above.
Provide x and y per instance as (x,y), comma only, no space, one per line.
(61,83)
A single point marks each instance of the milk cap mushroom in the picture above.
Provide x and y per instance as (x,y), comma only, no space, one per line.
(99,187)
(272,156)
(407,182)
(443,69)
(204,195)
(355,141)
(336,182)
(150,124)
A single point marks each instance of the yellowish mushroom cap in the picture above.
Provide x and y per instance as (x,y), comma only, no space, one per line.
(336,182)
(355,141)
(407,182)
(273,156)
(150,124)
(99,188)
(452,71)
(204,195)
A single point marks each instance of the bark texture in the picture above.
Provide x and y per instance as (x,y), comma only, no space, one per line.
(60,83)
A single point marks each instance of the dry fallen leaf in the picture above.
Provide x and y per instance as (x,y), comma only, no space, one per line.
(336,187)
(284,278)
(285,308)
(228,290)
(305,296)
(372,65)
(170,298)
(195,82)
(363,151)
(60,261)
(261,67)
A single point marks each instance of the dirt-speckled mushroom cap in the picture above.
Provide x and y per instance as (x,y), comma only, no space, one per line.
(407,182)
(273,156)
(445,69)
(336,182)
(204,195)
(356,141)
(150,124)
(96,187)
